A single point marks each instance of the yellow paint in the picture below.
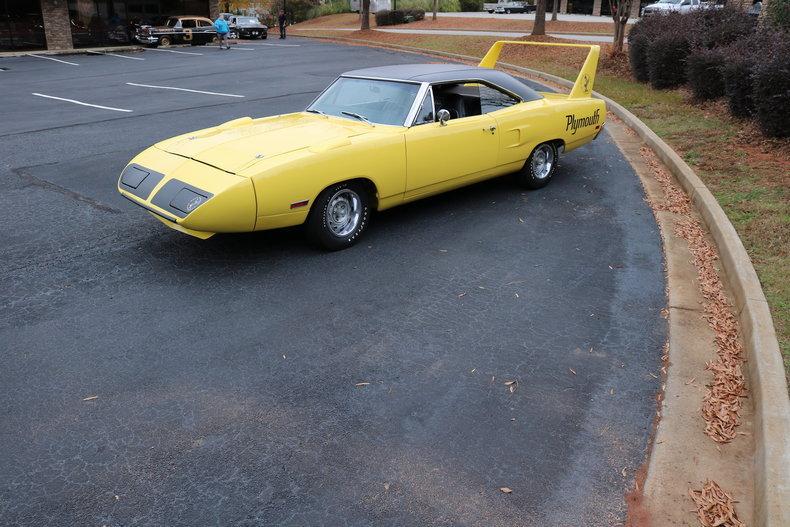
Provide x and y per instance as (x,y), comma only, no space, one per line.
(256,168)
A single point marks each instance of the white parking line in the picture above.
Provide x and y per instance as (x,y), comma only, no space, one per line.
(173,51)
(184,89)
(279,45)
(114,55)
(50,58)
(81,103)
(244,49)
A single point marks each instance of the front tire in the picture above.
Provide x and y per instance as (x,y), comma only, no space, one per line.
(339,216)
(165,42)
(539,167)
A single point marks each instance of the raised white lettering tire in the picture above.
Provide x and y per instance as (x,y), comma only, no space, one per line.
(339,216)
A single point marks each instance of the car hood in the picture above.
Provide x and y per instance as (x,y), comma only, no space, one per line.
(239,144)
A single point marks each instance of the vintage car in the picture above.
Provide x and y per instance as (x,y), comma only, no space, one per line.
(193,30)
(374,139)
(247,27)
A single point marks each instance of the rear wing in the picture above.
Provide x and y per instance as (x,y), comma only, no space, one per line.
(582,88)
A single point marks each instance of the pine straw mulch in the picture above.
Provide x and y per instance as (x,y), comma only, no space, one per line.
(715,508)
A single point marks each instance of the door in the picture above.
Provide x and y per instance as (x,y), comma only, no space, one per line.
(439,157)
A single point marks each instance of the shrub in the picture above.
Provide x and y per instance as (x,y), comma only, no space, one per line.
(471,5)
(710,28)
(778,14)
(445,6)
(639,38)
(704,73)
(737,75)
(414,14)
(390,18)
(332,7)
(771,86)
(666,60)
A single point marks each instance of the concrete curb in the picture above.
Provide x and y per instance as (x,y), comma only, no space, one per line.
(80,51)
(766,371)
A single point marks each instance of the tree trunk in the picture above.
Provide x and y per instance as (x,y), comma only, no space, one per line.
(365,15)
(554,9)
(621,10)
(435,8)
(539,28)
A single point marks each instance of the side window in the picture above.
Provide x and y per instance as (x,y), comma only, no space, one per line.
(188,22)
(469,99)
(492,100)
(425,114)
(204,23)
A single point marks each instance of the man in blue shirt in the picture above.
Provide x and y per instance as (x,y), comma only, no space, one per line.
(222,32)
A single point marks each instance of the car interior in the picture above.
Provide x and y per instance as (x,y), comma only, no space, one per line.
(464,99)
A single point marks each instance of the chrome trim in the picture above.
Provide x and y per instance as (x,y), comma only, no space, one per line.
(406,81)
(433,106)
(487,83)
(415,106)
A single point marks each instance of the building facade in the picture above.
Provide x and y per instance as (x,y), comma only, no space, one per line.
(68,24)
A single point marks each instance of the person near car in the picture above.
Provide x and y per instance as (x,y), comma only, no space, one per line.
(281,21)
(221,25)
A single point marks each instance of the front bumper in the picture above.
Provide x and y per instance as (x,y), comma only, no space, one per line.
(189,196)
(146,39)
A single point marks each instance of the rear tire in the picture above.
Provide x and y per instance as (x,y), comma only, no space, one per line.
(339,216)
(539,167)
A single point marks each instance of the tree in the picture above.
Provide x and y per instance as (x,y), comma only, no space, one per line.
(365,15)
(435,8)
(554,10)
(539,28)
(621,10)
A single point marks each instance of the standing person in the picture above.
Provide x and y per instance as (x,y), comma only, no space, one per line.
(281,21)
(222,31)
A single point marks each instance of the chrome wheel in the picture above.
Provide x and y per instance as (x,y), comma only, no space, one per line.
(343,212)
(542,161)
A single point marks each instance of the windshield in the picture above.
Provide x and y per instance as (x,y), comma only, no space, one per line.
(378,101)
(247,21)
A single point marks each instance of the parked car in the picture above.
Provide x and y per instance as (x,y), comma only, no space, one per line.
(193,30)
(514,7)
(667,6)
(247,27)
(754,11)
(375,5)
(374,139)
(508,6)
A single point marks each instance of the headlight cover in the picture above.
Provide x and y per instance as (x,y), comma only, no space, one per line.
(180,198)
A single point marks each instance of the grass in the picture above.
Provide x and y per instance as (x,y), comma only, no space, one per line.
(748,173)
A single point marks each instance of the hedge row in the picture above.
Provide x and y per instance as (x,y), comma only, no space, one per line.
(718,53)
(398,16)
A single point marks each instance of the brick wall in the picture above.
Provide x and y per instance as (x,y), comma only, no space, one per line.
(56,24)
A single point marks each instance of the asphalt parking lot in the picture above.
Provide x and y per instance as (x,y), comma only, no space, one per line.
(148,378)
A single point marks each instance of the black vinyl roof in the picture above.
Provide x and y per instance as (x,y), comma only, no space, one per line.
(440,73)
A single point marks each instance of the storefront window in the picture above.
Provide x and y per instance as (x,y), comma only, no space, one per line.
(21,25)
(112,22)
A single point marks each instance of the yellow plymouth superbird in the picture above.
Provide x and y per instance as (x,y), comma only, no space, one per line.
(375,138)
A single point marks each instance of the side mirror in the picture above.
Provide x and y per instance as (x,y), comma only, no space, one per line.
(443,116)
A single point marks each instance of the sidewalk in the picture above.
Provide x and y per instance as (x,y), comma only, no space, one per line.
(459,32)
(531,16)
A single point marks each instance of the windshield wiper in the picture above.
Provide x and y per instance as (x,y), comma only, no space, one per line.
(358,116)
(313,110)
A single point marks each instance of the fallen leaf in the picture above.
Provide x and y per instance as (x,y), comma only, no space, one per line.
(521,220)
(360,384)
(623,472)
(512,418)
(473,370)
(91,398)
(509,383)
(386,486)
(653,375)
(462,295)
(442,250)
(611,391)
(505,490)
(516,295)
(572,371)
